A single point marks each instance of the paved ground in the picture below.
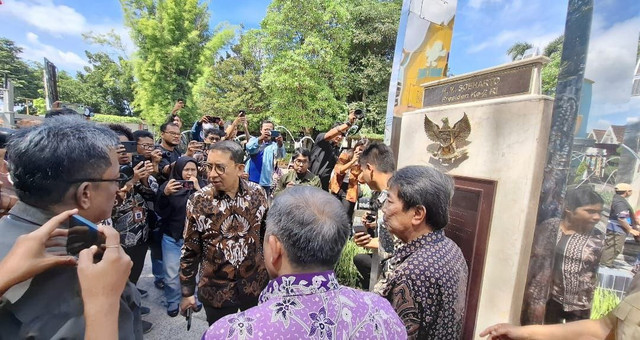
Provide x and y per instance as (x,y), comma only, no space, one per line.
(165,327)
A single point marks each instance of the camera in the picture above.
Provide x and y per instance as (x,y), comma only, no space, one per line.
(359,113)
(275,134)
(370,218)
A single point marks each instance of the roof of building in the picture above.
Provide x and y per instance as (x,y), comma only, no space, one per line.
(598,134)
(618,131)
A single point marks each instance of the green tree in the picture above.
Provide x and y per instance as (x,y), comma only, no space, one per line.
(172,37)
(518,49)
(306,44)
(233,82)
(25,77)
(108,84)
(374,28)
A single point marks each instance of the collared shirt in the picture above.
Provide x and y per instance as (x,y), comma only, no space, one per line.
(312,306)
(49,305)
(428,287)
(308,179)
(222,236)
(625,318)
(267,154)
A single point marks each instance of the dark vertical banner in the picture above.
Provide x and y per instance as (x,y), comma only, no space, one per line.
(50,84)
(556,171)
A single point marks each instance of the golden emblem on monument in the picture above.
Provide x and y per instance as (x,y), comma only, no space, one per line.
(450,140)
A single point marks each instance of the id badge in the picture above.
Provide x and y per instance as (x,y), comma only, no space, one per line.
(138,214)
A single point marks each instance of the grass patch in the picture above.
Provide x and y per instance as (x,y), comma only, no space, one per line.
(346,272)
(604,301)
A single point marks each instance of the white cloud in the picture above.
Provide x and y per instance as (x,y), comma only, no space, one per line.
(611,61)
(47,16)
(602,124)
(631,120)
(37,50)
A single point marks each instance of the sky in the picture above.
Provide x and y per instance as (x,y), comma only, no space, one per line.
(483,31)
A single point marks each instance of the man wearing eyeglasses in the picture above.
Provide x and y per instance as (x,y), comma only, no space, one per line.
(223,236)
(300,175)
(170,133)
(65,163)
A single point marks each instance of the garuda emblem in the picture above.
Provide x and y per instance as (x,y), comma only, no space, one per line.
(450,139)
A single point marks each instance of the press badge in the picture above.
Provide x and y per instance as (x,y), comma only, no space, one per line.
(138,215)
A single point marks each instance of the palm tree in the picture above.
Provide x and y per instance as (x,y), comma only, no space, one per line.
(518,49)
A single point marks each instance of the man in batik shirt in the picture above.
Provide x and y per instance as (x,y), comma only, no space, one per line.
(306,231)
(222,236)
(428,283)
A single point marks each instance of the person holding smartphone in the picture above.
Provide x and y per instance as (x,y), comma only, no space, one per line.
(263,152)
(171,206)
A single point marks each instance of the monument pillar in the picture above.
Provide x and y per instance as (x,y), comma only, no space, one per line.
(498,170)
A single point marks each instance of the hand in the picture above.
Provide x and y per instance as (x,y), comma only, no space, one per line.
(28,257)
(187,302)
(177,107)
(504,331)
(148,168)
(635,232)
(352,116)
(244,175)
(266,136)
(279,140)
(194,147)
(121,149)
(172,187)
(361,239)
(240,120)
(139,172)
(102,283)
(196,185)
(204,119)
(356,156)
(290,184)
(369,225)
(156,156)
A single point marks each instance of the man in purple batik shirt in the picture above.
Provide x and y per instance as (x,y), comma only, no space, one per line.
(306,231)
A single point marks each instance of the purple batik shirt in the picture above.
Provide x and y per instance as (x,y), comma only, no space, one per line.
(312,306)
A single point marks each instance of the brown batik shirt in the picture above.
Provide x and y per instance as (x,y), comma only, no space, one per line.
(222,236)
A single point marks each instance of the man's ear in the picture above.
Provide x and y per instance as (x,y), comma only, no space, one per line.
(83,196)
(240,167)
(276,252)
(419,215)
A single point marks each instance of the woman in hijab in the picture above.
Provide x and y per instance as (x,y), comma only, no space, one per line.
(171,207)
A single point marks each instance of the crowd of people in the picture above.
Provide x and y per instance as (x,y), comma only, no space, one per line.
(255,251)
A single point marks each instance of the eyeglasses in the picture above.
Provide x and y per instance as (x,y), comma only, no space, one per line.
(173,133)
(219,168)
(122,180)
(300,161)
(147,146)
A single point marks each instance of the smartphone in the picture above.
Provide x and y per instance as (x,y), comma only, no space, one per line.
(130,147)
(188,317)
(188,185)
(137,159)
(82,235)
(359,228)
(275,134)
(242,113)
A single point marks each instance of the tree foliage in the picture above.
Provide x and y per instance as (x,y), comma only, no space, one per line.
(232,83)
(305,76)
(172,37)
(518,49)
(25,77)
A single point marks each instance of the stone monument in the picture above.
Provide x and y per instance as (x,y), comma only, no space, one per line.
(489,130)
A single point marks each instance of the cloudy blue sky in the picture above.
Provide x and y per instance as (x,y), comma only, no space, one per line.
(483,31)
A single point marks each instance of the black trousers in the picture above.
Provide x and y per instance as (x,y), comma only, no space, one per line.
(215,314)
(363,264)
(137,255)
(555,314)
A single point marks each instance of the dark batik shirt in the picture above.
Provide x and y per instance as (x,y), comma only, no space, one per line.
(427,287)
(222,236)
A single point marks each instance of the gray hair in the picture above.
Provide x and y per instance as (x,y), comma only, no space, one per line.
(311,224)
(428,187)
(45,160)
